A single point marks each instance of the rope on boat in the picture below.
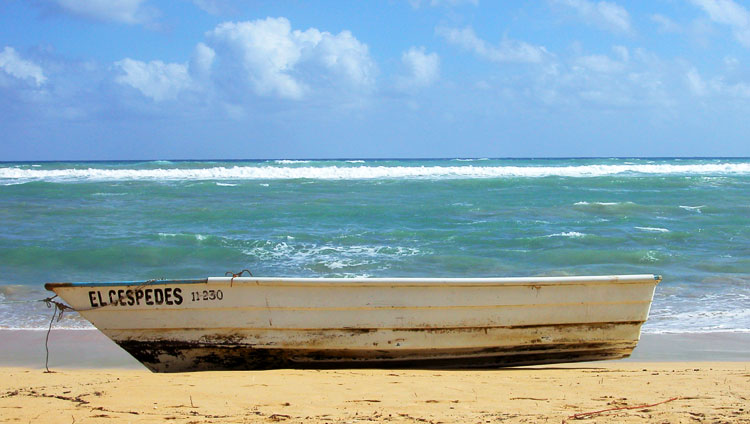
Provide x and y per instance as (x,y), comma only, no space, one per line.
(57,313)
(235,275)
(57,306)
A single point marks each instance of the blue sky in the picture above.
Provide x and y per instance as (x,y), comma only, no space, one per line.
(210,79)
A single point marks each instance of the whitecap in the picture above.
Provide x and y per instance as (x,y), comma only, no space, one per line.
(653,229)
(584,203)
(569,234)
(226,185)
(693,208)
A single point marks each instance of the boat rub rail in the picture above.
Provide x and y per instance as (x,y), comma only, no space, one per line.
(364,282)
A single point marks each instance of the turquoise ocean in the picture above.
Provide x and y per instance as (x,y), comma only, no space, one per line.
(686,219)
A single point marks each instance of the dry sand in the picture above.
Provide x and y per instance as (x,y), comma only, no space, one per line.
(115,386)
(686,393)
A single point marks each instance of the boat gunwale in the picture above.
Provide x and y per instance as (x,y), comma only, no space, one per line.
(379,282)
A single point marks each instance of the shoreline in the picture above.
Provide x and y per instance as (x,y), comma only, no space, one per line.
(76,349)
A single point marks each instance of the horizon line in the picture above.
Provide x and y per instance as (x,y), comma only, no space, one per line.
(377,159)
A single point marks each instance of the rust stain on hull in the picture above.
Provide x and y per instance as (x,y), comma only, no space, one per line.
(178,356)
(230,352)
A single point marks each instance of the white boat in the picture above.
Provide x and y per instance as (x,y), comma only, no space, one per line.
(264,322)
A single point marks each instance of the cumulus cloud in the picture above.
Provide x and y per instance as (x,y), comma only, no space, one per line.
(265,57)
(727,12)
(279,62)
(123,11)
(156,79)
(12,64)
(421,69)
(603,14)
(506,51)
(202,60)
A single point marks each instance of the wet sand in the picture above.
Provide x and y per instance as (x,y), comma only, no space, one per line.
(95,381)
(91,349)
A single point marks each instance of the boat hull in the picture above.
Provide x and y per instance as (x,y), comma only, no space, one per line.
(263,323)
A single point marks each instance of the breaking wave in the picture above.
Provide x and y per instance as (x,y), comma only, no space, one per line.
(271,172)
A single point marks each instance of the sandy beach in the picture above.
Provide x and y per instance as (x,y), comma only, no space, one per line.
(590,392)
(94,381)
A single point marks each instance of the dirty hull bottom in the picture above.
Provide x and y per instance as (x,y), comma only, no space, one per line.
(180,356)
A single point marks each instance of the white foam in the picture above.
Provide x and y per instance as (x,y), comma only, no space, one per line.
(699,321)
(332,257)
(199,237)
(271,172)
(290,162)
(569,234)
(693,208)
(596,203)
(653,229)
(226,185)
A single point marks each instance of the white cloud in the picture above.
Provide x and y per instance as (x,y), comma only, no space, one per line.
(264,56)
(12,64)
(506,51)
(123,11)
(265,51)
(699,30)
(342,54)
(607,15)
(156,79)
(422,69)
(278,61)
(202,60)
(624,79)
(727,12)
(717,86)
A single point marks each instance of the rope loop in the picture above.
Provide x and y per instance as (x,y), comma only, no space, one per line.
(59,307)
(238,274)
